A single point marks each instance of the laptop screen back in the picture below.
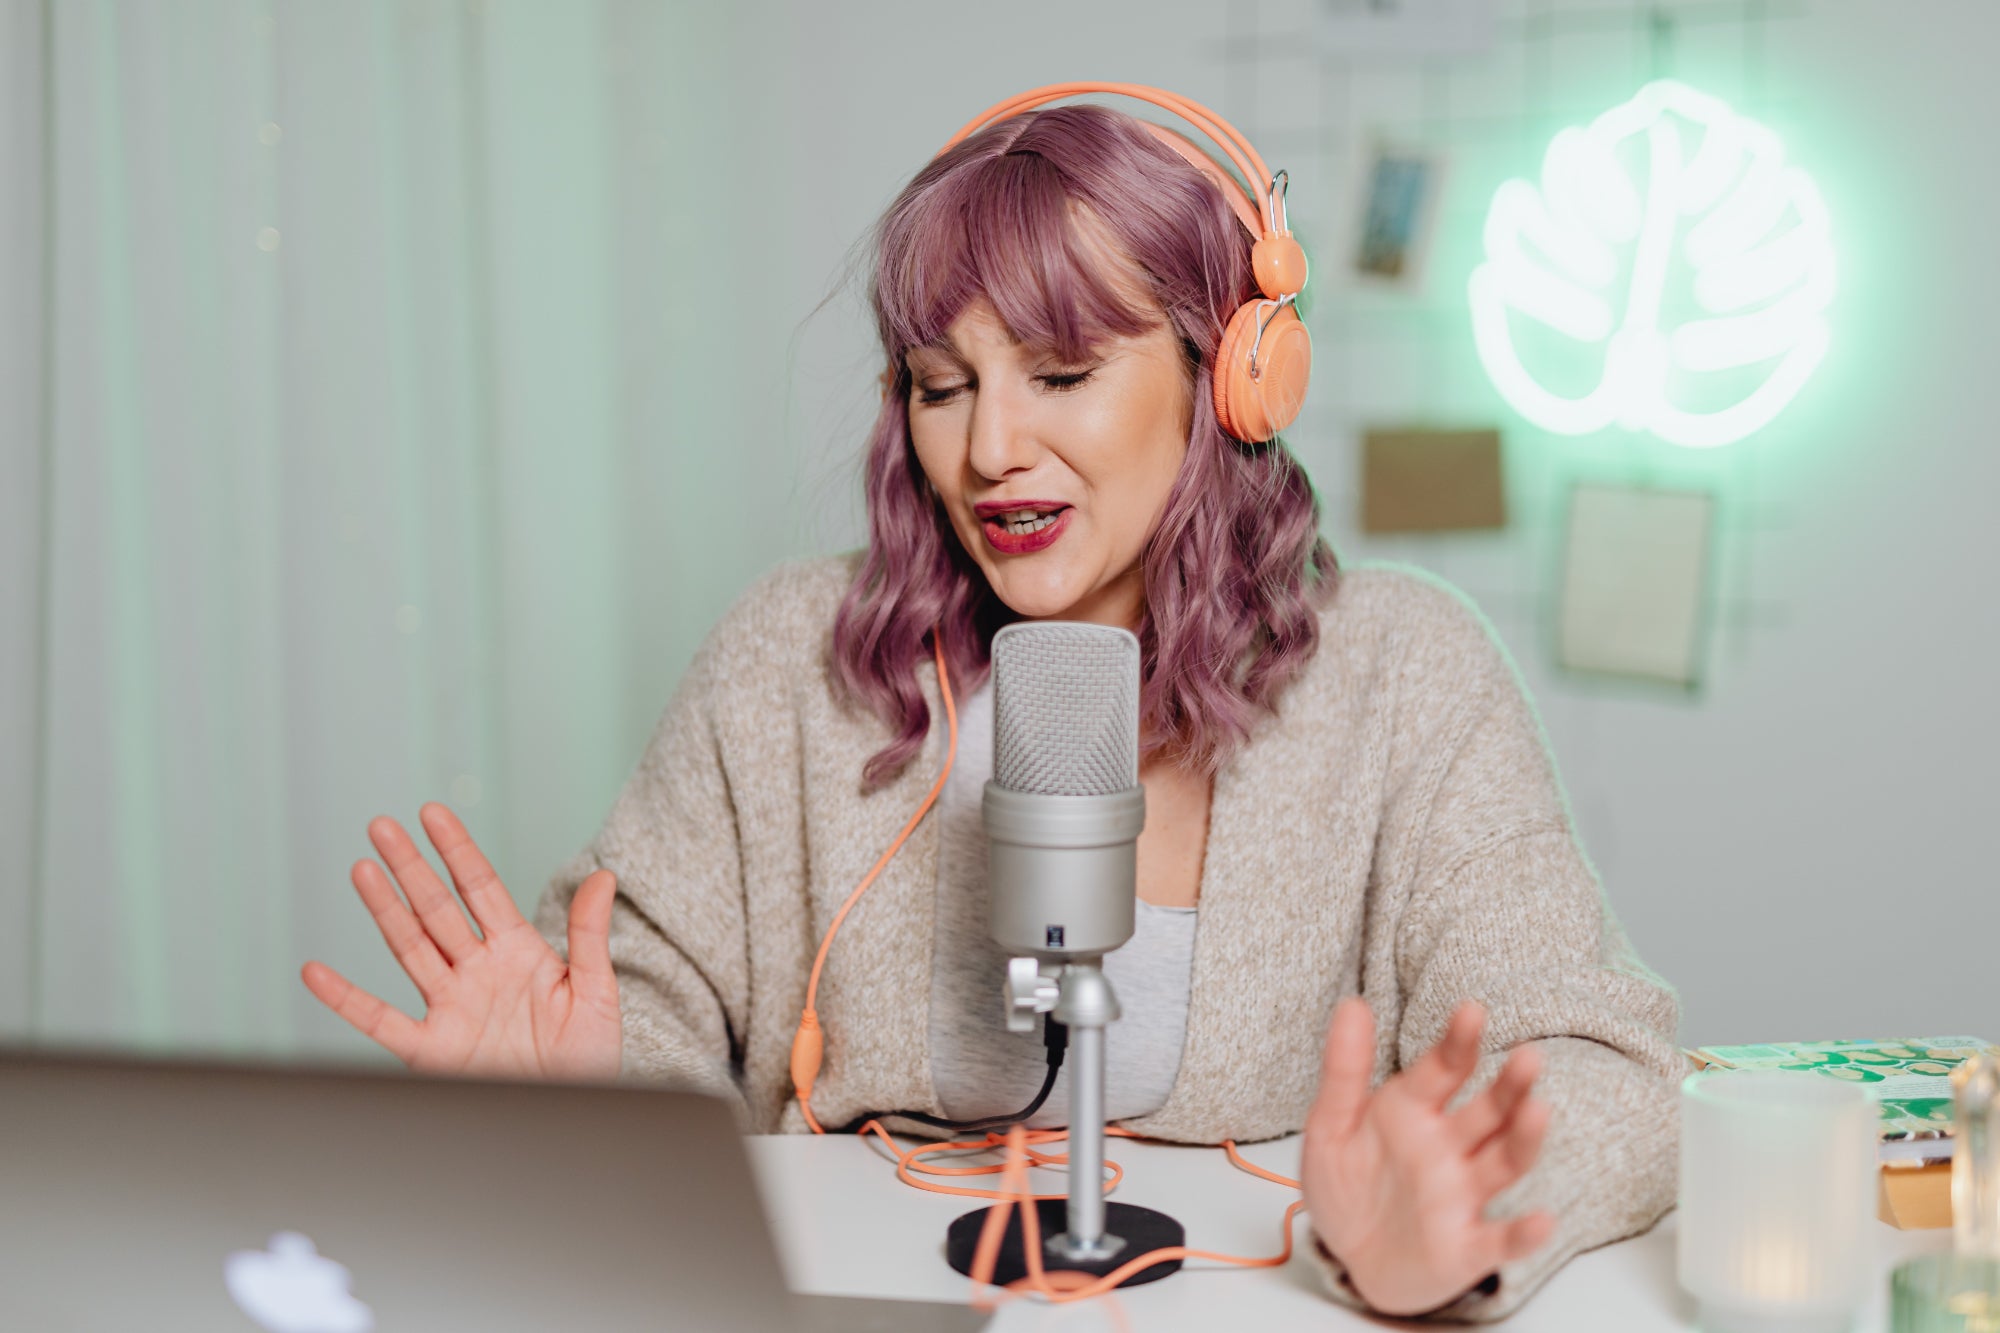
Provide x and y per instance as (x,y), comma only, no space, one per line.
(178,1197)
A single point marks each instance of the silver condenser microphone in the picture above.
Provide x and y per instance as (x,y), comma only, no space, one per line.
(1063,814)
(1064,808)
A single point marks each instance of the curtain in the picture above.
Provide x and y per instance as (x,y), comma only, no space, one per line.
(23,443)
(394,442)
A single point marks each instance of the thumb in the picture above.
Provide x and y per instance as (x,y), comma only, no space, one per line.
(1346,1068)
(591,978)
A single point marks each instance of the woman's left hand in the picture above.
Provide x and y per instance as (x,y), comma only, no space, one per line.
(1397,1187)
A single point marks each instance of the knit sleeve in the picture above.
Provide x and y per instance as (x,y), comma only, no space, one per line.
(678,923)
(1501,907)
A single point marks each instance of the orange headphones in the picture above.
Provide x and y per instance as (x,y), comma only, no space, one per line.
(1266,355)
(1260,382)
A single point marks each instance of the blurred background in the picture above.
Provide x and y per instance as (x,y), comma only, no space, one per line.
(393,394)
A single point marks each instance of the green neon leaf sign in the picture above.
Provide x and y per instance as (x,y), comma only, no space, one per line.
(1670,273)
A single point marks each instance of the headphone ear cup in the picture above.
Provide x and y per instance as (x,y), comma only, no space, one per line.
(1253,406)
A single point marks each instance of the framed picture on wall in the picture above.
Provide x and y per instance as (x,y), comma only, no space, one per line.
(1400,188)
(1634,586)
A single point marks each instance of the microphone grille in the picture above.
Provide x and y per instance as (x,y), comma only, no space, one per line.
(1065,709)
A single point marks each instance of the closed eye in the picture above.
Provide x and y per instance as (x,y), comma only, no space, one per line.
(1055,382)
(1063,383)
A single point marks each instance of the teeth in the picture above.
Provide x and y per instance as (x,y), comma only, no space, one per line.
(1028,522)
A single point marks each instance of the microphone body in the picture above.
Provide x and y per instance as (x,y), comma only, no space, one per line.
(1063,870)
(1064,809)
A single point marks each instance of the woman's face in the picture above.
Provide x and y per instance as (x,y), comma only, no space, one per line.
(1053,475)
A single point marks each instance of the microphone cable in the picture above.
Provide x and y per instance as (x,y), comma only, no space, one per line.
(1021,1150)
(1055,1037)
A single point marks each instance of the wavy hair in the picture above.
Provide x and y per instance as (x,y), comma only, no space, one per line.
(1235,568)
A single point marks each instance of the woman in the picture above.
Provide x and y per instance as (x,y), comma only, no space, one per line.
(1343,781)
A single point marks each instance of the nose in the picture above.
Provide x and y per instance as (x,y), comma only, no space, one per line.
(1001,439)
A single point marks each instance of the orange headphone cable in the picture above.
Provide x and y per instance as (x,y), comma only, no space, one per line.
(1059,1286)
(809,1043)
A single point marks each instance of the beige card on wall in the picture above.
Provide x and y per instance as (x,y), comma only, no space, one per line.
(1634,579)
(1431,481)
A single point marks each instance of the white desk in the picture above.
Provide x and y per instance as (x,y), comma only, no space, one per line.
(847,1226)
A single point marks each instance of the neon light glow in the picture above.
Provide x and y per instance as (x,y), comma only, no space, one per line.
(1669,274)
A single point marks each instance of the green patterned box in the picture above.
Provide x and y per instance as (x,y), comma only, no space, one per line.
(1909,1080)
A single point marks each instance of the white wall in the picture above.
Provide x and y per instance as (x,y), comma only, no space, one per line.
(1800,846)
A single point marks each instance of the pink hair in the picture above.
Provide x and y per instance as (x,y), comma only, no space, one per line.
(1234,570)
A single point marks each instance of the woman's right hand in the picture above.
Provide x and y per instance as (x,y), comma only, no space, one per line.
(501,1002)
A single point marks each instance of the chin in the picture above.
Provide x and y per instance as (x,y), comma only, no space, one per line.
(1037,599)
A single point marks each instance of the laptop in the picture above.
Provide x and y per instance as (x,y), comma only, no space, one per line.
(206,1198)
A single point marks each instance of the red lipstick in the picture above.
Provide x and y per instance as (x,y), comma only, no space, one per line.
(1053,516)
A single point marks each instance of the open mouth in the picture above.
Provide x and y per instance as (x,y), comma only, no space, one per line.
(1021,526)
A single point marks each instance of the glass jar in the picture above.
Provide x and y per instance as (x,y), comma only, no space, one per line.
(1777,1196)
(1945,1293)
(1975,1157)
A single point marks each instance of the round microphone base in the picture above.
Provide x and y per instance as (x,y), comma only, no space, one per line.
(1142,1229)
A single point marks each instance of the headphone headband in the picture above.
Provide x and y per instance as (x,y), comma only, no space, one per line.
(1261,217)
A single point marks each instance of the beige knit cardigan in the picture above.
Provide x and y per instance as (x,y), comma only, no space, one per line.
(1396,830)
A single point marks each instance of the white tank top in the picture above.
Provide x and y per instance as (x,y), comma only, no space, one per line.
(981,1069)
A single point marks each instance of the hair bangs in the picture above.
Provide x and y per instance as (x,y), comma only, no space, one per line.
(1009,229)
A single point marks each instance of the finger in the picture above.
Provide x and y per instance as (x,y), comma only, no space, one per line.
(1475,1122)
(1522,1236)
(379,1022)
(1442,1070)
(492,906)
(1347,1066)
(591,977)
(1512,1149)
(1512,1240)
(405,938)
(434,904)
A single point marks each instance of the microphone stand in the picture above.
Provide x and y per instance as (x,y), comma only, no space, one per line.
(1073,991)
(1085,1003)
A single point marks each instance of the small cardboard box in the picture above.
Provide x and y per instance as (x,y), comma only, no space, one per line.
(1916,1198)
